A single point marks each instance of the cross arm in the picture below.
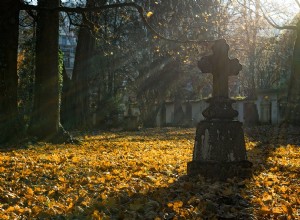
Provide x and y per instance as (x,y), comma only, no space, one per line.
(205,64)
(234,67)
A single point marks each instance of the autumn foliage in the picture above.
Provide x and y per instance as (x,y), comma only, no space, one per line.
(142,175)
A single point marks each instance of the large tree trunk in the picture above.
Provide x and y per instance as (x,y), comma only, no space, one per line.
(45,120)
(9,26)
(83,66)
(293,105)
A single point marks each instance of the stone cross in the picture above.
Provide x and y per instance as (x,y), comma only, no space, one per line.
(219,150)
(221,67)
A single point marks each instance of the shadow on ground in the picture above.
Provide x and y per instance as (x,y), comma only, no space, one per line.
(186,198)
(273,189)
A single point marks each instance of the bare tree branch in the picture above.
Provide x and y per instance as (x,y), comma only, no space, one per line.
(139,9)
(73,23)
(31,14)
(273,23)
(270,20)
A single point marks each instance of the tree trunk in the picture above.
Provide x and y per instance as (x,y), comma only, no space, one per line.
(293,99)
(66,104)
(9,27)
(85,49)
(45,120)
(82,67)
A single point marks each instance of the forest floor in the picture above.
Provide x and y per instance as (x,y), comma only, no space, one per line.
(142,175)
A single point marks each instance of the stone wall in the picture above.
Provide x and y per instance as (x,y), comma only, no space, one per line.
(264,110)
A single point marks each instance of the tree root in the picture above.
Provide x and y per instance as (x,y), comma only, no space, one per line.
(63,136)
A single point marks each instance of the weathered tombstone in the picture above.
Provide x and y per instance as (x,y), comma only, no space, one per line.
(178,113)
(265,114)
(188,116)
(251,117)
(219,150)
(163,115)
(131,120)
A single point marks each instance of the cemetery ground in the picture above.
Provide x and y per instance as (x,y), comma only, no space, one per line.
(142,175)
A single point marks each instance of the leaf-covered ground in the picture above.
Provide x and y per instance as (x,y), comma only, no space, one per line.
(142,175)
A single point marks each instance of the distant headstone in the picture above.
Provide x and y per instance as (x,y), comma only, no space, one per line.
(265,113)
(131,121)
(251,117)
(178,113)
(188,114)
(219,150)
(163,115)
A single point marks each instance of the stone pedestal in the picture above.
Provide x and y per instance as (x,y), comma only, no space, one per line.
(220,170)
(219,150)
(218,140)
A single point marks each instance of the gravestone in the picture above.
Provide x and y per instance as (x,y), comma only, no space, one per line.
(131,120)
(188,116)
(178,113)
(163,115)
(219,149)
(265,107)
(251,117)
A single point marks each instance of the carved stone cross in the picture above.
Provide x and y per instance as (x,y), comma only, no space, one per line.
(221,67)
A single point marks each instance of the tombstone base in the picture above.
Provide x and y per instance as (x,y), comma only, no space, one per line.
(219,150)
(220,170)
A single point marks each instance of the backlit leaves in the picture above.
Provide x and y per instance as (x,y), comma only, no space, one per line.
(149,14)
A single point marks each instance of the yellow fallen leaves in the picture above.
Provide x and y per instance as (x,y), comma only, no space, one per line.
(86,180)
(274,189)
(283,210)
(266,197)
(141,175)
(149,14)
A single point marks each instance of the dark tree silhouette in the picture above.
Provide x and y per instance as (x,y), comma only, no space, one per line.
(45,119)
(9,27)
